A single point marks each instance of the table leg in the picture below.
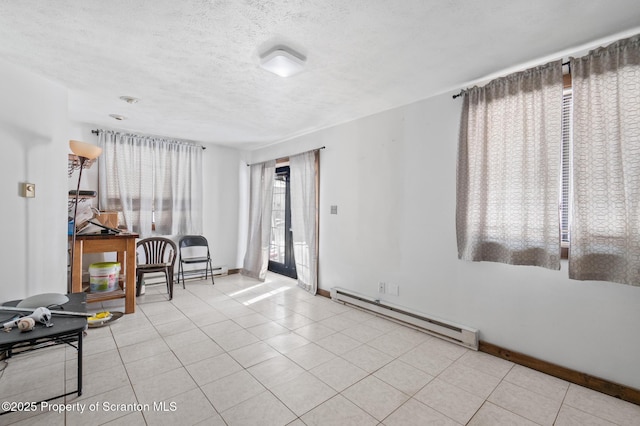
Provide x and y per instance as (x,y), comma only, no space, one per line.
(130,290)
(80,363)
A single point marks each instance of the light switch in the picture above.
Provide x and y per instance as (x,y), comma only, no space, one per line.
(334,209)
(28,190)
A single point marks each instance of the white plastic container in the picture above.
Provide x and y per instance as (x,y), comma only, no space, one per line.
(103,276)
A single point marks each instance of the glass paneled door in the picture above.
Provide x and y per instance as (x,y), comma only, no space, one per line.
(281,260)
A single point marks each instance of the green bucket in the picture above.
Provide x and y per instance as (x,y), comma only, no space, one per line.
(103,276)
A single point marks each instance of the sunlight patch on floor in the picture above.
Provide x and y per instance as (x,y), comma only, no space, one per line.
(266,295)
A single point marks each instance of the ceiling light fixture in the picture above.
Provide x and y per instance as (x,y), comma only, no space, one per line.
(118,117)
(130,99)
(282,61)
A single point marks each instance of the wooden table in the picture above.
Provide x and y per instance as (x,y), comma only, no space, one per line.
(125,246)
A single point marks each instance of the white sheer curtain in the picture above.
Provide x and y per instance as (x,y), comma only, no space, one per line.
(256,259)
(605,226)
(304,217)
(185,200)
(509,169)
(146,178)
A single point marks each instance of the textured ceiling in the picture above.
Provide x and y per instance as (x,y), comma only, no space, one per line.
(195,63)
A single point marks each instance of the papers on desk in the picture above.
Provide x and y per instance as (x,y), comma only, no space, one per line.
(94,227)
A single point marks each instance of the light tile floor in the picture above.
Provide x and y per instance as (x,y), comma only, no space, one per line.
(244,352)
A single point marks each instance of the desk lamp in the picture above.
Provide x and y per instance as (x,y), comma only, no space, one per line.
(85,152)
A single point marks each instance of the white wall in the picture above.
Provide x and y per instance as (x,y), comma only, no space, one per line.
(33,135)
(221,203)
(392,177)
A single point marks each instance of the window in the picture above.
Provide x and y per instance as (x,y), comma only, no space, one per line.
(591,183)
(605,168)
(155,183)
(508,167)
(565,190)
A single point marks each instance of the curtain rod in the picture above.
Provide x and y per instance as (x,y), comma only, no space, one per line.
(291,155)
(97,132)
(568,63)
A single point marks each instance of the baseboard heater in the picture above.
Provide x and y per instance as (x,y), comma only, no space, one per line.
(455,333)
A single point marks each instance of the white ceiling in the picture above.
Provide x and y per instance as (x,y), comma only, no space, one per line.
(195,63)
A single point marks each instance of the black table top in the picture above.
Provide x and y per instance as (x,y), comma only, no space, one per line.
(62,324)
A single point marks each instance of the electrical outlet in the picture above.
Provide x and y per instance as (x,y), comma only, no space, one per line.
(393,289)
(382,287)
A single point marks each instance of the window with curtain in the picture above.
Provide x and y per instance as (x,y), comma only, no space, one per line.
(605,225)
(304,195)
(509,169)
(565,190)
(155,183)
(599,191)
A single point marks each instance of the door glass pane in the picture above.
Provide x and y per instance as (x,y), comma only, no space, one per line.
(278,220)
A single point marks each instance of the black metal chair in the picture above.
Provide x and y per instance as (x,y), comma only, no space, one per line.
(191,251)
(159,255)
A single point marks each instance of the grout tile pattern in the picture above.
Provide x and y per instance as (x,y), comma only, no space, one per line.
(244,352)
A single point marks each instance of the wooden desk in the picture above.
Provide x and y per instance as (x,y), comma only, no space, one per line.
(125,246)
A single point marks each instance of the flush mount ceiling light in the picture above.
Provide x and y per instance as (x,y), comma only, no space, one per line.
(118,117)
(130,99)
(282,61)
